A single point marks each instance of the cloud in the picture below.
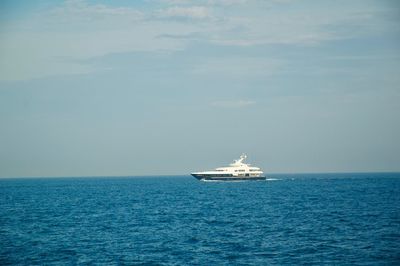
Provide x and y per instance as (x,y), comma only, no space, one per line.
(233,103)
(227,2)
(189,36)
(174,2)
(239,67)
(75,31)
(79,30)
(78,13)
(204,2)
(193,12)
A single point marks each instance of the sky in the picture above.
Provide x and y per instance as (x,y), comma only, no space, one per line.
(163,87)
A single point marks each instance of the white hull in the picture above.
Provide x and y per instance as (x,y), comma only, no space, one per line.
(231,178)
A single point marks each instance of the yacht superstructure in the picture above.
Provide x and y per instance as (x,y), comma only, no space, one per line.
(236,171)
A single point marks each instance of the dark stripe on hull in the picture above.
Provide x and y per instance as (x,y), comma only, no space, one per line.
(217,178)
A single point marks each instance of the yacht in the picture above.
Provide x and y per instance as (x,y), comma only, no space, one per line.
(236,171)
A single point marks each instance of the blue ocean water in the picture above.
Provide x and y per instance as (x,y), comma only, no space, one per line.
(341,219)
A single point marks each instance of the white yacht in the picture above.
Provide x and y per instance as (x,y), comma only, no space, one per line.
(236,171)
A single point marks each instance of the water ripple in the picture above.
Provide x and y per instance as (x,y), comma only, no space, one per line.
(178,220)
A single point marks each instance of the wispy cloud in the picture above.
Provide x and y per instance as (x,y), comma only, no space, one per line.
(238,67)
(205,2)
(233,103)
(227,2)
(193,12)
(190,36)
(78,29)
(80,15)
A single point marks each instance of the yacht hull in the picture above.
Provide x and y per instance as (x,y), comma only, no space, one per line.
(228,178)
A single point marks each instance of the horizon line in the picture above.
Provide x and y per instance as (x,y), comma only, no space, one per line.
(188,175)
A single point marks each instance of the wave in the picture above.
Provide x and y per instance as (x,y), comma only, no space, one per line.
(273,179)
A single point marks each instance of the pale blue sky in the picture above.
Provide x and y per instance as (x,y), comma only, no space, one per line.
(174,86)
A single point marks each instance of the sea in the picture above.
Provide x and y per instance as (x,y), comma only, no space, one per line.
(289,219)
